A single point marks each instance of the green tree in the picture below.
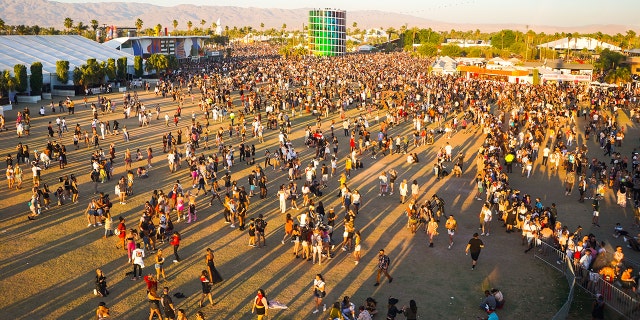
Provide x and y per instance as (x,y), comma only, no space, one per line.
(503,39)
(156,62)
(620,74)
(475,52)
(451,50)
(137,66)
(158,29)
(172,62)
(20,72)
(609,60)
(78,77)
(94,25)
(68,24)
(428,49)
(93,73)
(36,78)
(175,24)
(7,83)
(202,23)
(110,69)
(62,71)
(139,24)
(189,25)
(81,28)
(121,68)
(2,27)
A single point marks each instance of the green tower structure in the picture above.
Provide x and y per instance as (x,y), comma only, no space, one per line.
(327,32)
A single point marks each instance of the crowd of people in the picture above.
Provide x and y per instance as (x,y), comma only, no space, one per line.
(403,110)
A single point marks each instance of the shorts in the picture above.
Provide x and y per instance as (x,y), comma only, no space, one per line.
(317,249)
(475,255)
(357,248)
(451,232)
(252,187)
(305,243)
(596,213)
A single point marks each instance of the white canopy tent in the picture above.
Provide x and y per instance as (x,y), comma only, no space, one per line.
(50,49)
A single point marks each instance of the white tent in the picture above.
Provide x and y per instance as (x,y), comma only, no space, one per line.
(578,44)
(48,50)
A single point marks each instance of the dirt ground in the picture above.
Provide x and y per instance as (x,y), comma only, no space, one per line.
(47,266)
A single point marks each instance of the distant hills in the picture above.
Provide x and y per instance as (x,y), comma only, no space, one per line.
(52,14)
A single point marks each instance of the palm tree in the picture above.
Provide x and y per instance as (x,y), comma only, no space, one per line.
(568,46)
(202,23)
(631,37)
(189,25)
(68,23)
(81,28)
(2,26)
(261,26)
(214,26)
(175,24)
(158,28)
(94,25)
(139,24)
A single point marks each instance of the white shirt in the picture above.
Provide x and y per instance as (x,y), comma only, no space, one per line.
(138,255)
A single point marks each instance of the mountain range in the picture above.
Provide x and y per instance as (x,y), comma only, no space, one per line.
(124,14)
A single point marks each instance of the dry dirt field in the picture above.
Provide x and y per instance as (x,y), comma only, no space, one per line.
(47,266)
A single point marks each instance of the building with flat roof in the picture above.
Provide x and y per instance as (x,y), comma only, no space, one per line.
(327,32)
(181,47)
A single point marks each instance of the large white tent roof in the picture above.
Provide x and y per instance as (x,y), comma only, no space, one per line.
(578,44)
(49,49)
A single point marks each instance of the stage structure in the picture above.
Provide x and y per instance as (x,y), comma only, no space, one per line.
(327,32)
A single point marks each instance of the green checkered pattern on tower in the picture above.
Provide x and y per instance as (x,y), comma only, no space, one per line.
(327,32)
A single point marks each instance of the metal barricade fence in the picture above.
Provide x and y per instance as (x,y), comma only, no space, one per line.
(558,260)
(618,298)
(623,299)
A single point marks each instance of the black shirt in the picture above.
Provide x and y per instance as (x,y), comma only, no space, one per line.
(475,245)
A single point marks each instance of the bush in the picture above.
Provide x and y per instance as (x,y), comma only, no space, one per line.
(36,78)
(62,70)
(137,66)
(121,67)
(20,72)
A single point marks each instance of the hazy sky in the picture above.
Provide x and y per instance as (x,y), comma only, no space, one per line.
(534,12)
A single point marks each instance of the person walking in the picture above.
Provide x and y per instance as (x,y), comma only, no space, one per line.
(474,247)
(319,292)
(167,304)
(260,305)
(206,288)
(452,225)
(175,242)
(215,276)
(137,259)
(404,188)
(159,266)
(383,266)
(432,231)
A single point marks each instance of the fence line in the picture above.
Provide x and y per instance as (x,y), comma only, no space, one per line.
(617,296)
(558,260)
